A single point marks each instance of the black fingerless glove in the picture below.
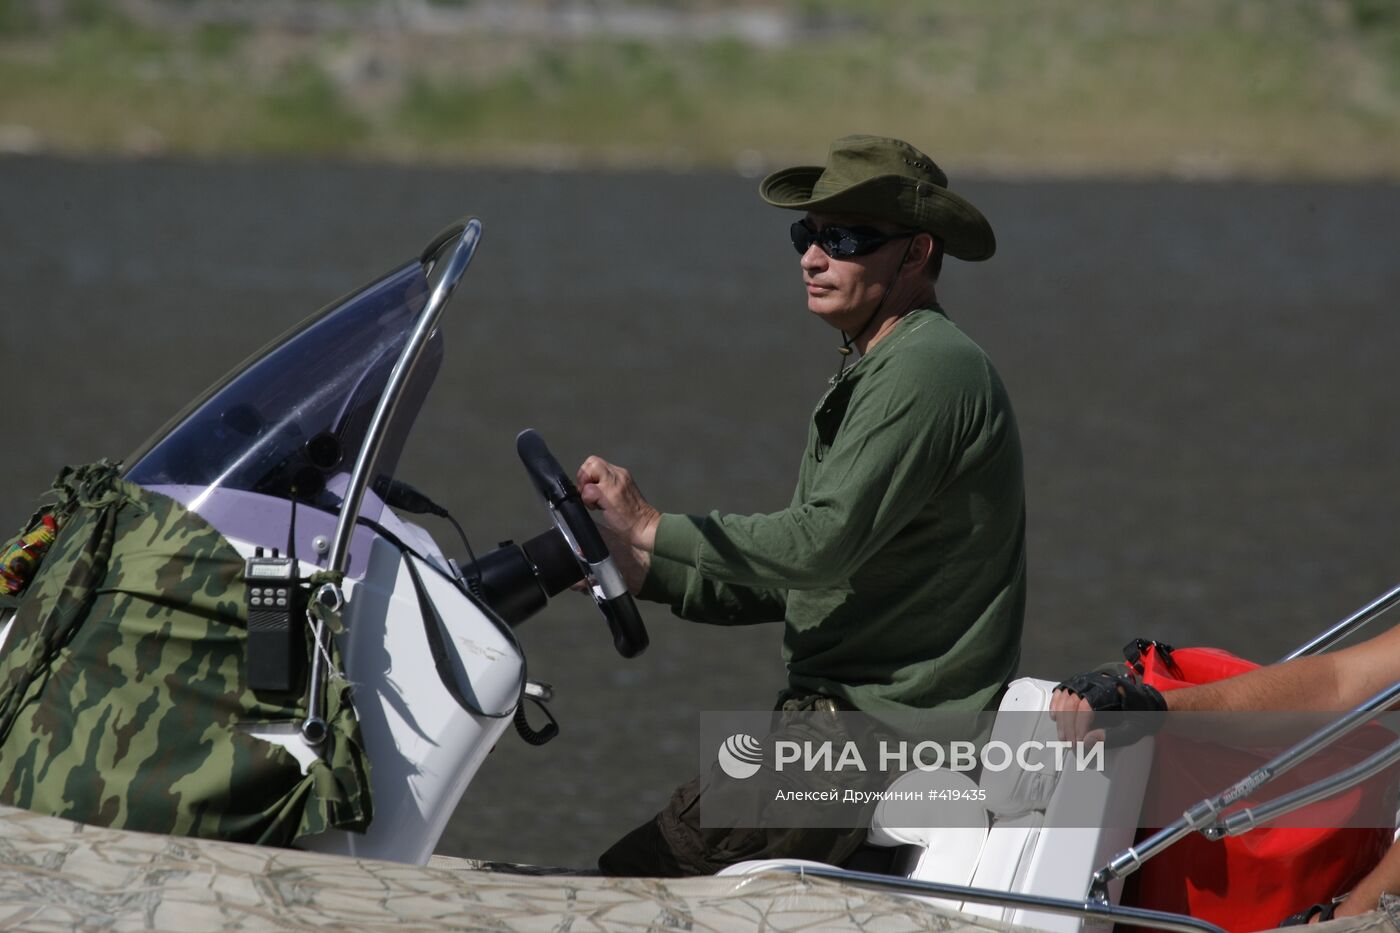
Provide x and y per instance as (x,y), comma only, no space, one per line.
(1106,691)
(1323,913)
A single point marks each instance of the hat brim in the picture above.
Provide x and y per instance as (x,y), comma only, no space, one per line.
(965,233)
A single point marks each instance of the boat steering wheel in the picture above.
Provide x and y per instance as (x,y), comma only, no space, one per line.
(576,525)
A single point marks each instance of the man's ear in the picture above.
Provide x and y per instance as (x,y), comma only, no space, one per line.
(920,250)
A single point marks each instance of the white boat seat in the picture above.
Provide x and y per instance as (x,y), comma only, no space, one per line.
(1032,845)
(946,854)
(1046,831)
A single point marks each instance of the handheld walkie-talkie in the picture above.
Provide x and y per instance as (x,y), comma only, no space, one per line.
(275,644)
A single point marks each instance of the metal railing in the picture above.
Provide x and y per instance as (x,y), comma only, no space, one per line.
(467,234)
(1209,818)
(1345,627)
(1087,908)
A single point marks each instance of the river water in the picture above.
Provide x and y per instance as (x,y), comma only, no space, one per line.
(1205,377)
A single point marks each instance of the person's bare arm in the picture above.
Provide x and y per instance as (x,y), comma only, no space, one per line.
(1331,682)
(1383,879)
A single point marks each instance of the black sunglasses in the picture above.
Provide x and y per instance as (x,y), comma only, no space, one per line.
(842,242)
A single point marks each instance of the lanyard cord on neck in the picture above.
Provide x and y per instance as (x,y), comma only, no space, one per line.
(846,342)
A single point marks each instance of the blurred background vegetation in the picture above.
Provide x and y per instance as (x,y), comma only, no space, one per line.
(1186,88)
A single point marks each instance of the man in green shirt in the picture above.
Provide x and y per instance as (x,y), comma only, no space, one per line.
(899,568)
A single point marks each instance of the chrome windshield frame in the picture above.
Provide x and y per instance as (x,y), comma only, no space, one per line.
(466,234)
(453,268)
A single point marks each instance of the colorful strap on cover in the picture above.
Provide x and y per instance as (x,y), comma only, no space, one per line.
(22,558)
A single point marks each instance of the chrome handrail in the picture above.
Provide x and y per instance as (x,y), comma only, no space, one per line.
(1345,627)
(313,728)
(1090,909)
(1242,821)
(1208,816)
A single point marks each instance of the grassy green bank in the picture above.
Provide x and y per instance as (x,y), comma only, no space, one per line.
(1298,88)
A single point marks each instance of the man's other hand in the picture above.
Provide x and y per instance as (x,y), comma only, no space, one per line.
(1074,718)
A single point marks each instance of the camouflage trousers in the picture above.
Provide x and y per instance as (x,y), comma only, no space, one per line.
(674,843)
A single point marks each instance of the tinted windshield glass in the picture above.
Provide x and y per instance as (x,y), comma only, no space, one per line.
(294,416)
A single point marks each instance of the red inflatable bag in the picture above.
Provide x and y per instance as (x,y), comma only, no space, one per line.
(1254,880)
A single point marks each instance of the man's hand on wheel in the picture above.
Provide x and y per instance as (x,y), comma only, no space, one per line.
(625,511)
(627,521)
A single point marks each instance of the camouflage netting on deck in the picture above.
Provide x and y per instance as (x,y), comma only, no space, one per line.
(122,687)
(56,875)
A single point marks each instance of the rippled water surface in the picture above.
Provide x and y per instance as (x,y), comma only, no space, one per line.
(1205,377)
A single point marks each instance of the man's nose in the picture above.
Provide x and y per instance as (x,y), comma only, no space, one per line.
(815,258)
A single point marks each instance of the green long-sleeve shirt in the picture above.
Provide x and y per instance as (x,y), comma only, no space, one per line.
(899,568)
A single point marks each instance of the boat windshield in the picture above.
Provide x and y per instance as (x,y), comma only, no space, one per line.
(290,421)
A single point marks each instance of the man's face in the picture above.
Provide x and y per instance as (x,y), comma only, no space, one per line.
(844,291)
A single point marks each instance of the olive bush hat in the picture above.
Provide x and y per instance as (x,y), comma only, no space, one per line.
(886,179)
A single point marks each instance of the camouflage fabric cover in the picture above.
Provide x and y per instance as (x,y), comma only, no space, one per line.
(122,687)
(57,876)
